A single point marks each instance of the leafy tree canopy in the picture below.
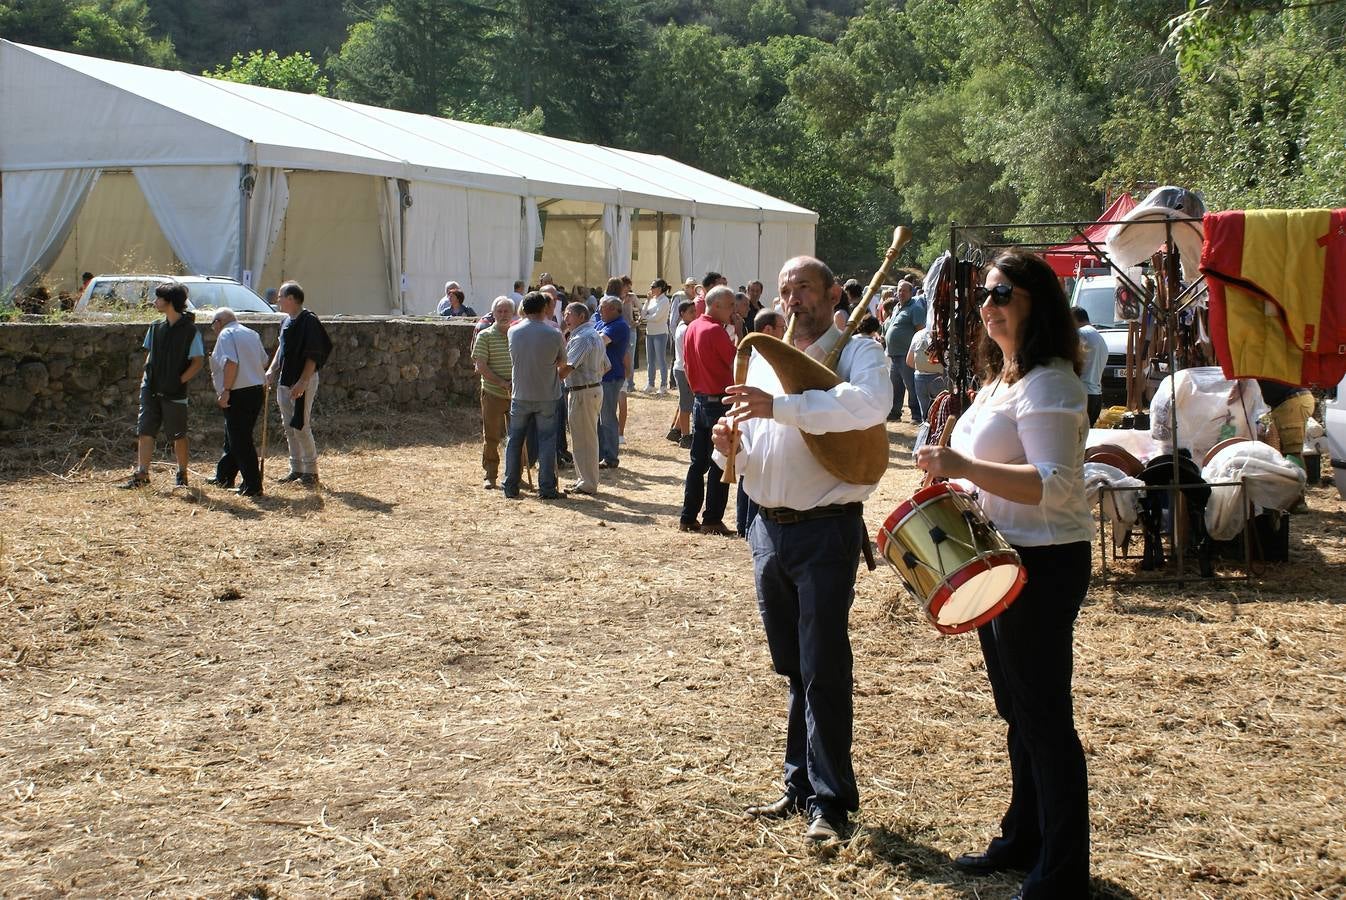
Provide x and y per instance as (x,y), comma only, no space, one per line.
(296,72)
(111,29)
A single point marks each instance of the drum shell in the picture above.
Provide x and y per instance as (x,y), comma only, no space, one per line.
(937,569)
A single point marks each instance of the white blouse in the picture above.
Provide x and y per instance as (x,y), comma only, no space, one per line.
(1040,419)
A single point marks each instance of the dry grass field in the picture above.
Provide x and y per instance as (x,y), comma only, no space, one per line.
(402,685)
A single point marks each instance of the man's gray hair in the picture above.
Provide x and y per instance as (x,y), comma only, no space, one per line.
(610,300)
(578,310)
(502,301)
(718,293)
(224,315)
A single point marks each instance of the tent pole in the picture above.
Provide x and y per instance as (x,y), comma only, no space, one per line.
(246,179)
(658,245)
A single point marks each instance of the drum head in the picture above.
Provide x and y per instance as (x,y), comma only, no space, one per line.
(978,593)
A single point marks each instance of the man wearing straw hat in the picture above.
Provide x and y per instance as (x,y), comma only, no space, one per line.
(806,542)
(238,369)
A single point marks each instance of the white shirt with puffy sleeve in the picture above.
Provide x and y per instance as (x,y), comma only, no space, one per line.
(1040,419)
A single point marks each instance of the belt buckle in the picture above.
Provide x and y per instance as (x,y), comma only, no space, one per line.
(787,516)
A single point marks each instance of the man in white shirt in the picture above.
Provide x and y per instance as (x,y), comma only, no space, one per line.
(1094,349)
(238,370)
(806,542)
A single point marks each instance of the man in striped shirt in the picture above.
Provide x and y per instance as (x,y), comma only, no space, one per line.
(490,357)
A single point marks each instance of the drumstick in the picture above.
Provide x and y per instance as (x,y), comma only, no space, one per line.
(945,435)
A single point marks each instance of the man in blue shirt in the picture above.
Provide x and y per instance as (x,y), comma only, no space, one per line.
(238,369)
(1095,358)
(174,354)
(617,334)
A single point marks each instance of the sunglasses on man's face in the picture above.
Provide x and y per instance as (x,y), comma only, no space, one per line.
(1000,295)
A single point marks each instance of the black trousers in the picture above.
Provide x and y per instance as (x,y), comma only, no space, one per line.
(239,456)
(1029,657)
(1094,407)
(703,476)
(805,577)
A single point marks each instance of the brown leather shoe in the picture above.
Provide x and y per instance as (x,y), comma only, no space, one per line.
(824,830)
(718,528)
(694,527)
(784,806)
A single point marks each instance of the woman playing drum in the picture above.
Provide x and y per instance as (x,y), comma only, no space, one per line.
(1021,444)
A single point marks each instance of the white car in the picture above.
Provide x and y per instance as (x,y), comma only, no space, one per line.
(205,294)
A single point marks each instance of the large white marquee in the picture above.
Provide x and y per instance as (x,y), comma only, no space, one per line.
(106,166)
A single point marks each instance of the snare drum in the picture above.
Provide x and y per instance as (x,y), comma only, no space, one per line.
(952,558)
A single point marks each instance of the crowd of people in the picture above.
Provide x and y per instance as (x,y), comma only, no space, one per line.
(551,364)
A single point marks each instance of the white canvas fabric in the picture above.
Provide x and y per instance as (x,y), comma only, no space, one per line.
(142,118)
(530,236)
(772,252)
(38,212)
(686,247)
(437,247)
(390,230)
(266,214)
(493,245)
(197,207)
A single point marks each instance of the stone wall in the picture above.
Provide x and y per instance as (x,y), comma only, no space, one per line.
(67,370)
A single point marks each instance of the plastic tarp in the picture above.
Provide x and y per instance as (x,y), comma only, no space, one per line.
(198,209)
(38,212)
(1268,479)
(1066,259)
(437,246)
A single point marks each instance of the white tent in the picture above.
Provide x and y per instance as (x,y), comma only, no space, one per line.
(108,166)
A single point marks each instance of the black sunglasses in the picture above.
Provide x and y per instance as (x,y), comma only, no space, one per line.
(1000,295)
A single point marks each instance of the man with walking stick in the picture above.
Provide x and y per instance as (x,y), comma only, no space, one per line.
(238,370)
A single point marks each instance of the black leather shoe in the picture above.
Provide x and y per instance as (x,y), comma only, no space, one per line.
(293,476)
(784,806)
(981,864)
(215,482)
(250,491)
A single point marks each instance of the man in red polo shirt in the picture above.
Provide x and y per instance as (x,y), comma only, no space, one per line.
(708,354)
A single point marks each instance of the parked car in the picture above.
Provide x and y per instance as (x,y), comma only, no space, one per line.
(205,294)
(1097,294)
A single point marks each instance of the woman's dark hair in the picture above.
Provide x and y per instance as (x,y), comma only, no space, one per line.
(869,325)
(1049,331)
(660,284)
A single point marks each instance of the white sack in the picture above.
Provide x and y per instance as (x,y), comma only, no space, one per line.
(1270,481)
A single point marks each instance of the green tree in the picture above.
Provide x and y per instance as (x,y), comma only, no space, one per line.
(296,72)
(579,95)
(422,56)
(111,29)
(207,33)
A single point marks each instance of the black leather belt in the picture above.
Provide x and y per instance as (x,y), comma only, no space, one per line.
(710,398)
(783,515)
(585,387)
